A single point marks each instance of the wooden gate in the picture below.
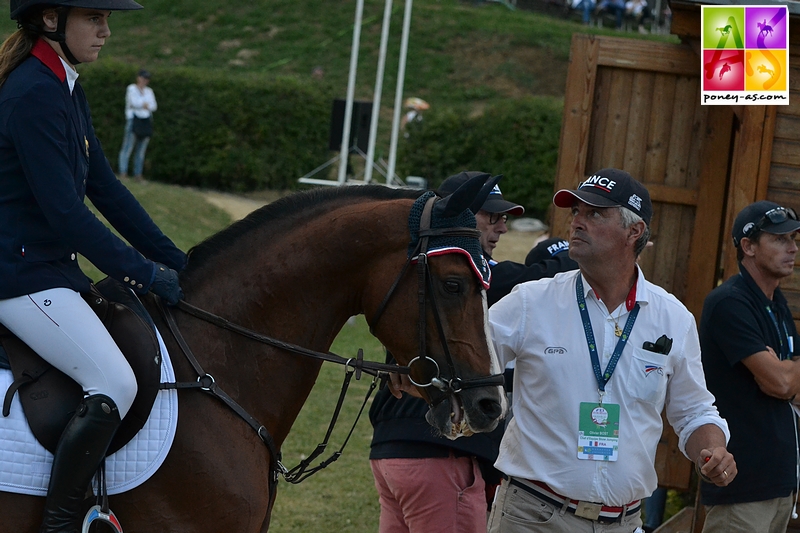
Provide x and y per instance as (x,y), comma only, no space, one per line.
(634,105)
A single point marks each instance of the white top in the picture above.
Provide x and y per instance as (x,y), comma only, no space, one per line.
(540,325)
(72,74)
(135,100)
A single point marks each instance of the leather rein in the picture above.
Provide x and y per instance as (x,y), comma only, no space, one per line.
(357,365)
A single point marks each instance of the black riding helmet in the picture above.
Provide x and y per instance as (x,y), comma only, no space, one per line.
(21,8)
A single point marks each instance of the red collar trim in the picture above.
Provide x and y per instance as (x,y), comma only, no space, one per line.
(630,301)
(45,53)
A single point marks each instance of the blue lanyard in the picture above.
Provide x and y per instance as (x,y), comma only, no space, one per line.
(603,376)
(780,337)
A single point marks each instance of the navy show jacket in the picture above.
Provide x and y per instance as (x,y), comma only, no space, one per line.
(50,160)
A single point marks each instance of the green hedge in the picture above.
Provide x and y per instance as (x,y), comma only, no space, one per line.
(250,133)
(518,138)
(217,131)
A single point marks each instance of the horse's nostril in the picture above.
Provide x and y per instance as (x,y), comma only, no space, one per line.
(490,408)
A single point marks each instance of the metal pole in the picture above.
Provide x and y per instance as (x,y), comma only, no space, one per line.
(376,99)
(398,95)
(351,87)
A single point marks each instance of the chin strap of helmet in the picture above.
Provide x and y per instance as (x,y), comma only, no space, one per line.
(59,36)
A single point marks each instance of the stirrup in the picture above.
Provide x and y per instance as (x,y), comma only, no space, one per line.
(108,517)
(101,511)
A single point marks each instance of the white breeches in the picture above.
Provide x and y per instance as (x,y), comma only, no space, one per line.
(59,326)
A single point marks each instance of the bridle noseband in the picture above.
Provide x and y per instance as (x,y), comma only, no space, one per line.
(425,291)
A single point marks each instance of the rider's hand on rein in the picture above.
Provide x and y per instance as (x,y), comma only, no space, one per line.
(166,284)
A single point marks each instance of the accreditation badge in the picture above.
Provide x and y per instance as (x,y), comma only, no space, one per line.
(598,431)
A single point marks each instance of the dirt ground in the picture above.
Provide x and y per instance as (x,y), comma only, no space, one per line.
(513,246)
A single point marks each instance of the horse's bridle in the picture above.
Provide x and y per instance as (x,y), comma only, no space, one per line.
(425,291)
(357,365)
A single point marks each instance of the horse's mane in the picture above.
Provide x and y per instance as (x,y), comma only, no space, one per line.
(287,207)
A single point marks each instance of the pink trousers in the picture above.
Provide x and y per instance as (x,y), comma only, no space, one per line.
(445,495)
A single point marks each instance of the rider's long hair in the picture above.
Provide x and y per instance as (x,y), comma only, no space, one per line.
(17,47)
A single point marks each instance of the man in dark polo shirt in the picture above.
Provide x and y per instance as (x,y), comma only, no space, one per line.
(748,341)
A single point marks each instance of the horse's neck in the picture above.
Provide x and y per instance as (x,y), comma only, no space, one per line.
(314,275)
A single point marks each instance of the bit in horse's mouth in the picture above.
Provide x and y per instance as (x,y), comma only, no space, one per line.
(457,413)
(457,418)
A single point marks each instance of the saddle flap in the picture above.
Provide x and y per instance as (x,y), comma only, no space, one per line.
(49,397)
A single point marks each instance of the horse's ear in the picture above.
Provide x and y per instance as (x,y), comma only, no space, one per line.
(464,197)
(484,193)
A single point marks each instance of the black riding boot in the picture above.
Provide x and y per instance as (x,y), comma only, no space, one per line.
(80,450)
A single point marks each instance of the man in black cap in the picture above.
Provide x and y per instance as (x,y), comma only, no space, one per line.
(425,481)
(599,352)
(491,221)
(748,337)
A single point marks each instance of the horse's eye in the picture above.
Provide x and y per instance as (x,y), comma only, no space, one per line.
(452,287)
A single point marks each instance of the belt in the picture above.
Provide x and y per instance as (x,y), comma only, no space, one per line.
(597,512)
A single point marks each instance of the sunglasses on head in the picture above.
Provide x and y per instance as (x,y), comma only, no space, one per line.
(774,216)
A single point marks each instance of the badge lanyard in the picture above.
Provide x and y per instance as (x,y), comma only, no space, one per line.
(603,376)
(780,337)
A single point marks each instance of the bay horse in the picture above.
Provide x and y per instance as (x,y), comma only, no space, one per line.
(296,270)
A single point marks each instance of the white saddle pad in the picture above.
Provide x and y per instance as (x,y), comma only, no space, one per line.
(25,464)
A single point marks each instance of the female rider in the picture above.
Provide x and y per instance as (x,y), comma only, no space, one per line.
(50,159)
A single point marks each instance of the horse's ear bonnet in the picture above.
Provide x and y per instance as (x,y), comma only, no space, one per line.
(455,211)
(473,192)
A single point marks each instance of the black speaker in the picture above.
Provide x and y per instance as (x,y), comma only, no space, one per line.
(359,125)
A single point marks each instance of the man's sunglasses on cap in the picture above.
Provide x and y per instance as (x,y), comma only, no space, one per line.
(777,215)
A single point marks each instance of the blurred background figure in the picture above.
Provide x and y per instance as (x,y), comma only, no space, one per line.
(415,108)
(140,103)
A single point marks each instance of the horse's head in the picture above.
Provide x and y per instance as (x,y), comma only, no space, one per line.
(434,318)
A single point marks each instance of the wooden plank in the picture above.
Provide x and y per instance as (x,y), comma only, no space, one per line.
(767,145)
(794,104)
(787,197)
(641,102)
(648,55)
(794,73)
(600,119)
(786,152)
(672,195)
(784,177)
(680,522)
(681,131)
(704,251)
(576,122)
(659,132)
(680,286)
(699,131)
(616,126)
(787,126)
(743,189)
(664,273)
(685,19)
(793,298)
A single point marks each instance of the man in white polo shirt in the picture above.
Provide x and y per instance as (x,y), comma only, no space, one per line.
(599,353)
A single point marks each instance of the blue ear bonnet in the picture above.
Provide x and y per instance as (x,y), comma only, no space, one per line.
(468,246)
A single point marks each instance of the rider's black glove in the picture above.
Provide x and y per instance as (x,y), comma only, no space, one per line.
(166,284)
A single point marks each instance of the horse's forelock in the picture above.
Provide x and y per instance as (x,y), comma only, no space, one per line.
(281,213)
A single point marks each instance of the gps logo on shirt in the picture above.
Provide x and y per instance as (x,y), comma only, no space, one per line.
(555,350)
(649,369)
(600,182)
